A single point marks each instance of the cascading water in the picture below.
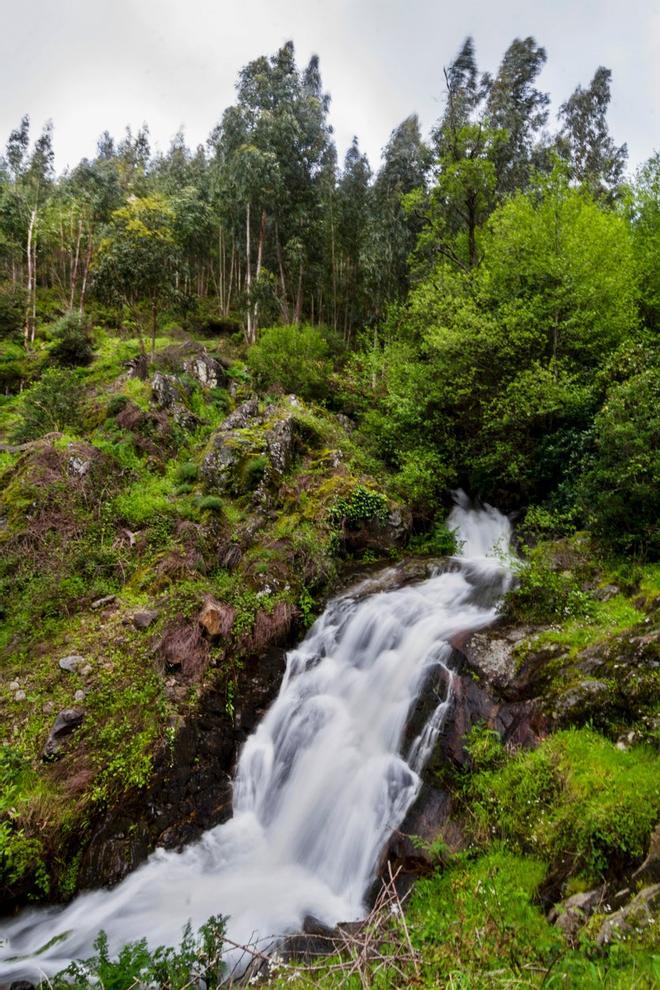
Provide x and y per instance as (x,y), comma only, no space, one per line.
(319,786)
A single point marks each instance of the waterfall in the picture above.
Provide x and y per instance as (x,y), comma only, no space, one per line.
(320,785)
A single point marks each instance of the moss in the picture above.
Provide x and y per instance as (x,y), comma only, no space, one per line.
(577,801)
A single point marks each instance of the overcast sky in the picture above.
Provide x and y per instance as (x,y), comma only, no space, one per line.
(92,65)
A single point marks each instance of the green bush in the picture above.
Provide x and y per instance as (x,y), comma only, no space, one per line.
(73,344)
(440,541)
(543,593)
(360,506)
(297,358)
(52,404)
(196,962)
(211,503)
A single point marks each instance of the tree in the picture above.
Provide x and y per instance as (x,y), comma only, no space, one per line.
(137,257)
(584,140)
(514,106)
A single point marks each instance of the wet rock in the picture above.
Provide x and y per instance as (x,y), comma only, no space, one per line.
(580,698)
(102,602)
(638,914)
(71,663)
(65,723)
(208,372)
(145,618)
(21,985)
(216,618)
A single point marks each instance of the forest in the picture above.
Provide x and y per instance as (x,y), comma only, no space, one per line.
(231,378)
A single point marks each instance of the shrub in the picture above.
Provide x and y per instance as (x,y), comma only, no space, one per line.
(211,503)
(196,962)
(50,405)
(543,593)
(73,345)
(440,541)
(361,505)
(297,358)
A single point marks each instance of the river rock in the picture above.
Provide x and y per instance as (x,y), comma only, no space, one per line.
(67,720)
(71,663)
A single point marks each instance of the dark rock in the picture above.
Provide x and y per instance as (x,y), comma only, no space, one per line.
(71,663)
(138,367)
(578,699)
(21,985)
(638,914)
(65,723)
(144,619)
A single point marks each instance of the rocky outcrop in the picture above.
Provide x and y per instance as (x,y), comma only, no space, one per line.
(206,370)
(170,395)
(640,913)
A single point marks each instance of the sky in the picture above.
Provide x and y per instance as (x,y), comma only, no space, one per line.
(92,65)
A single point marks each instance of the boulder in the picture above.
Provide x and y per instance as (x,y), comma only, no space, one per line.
(572,913)
(65,723)
(208,372)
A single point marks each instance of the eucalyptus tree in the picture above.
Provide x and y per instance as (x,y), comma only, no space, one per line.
(584,139)
(515,107)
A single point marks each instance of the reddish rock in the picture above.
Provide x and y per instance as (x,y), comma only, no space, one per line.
(216,618)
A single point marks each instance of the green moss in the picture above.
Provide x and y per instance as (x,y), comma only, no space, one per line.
(577,801)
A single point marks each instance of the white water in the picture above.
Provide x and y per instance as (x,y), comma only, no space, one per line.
(320,784)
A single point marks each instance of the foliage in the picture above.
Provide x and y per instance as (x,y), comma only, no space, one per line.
(52,404)
(361,505)
(73,345)
(195,961)
(543,592)
(294,358)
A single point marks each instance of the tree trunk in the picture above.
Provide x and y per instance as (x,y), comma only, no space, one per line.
(88,260)
(74,267)
(154,326)
(249,332)
(28,331)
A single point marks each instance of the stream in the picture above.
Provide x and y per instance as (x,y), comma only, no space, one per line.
(319,786)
